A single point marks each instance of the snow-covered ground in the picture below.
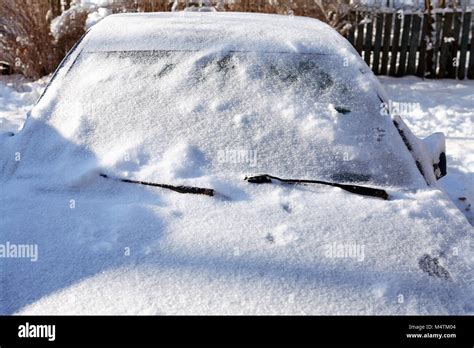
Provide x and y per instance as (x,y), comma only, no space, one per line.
(427,106)
(17,97)
(442,106)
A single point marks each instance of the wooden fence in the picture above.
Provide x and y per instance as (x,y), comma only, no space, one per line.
(440,45)
(395,43)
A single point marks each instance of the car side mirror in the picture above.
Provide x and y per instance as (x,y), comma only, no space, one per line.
(435,145)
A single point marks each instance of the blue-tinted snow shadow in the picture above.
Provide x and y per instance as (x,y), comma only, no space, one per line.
(458,185)
(81,227)
(109,217)
(342,276)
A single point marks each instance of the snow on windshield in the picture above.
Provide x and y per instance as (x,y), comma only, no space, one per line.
(186,114)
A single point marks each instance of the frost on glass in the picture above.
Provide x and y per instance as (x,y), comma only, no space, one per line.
(302,115)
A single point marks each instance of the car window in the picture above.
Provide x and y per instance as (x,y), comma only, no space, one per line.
(293,115)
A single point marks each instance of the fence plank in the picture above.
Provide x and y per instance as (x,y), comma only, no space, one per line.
(470,70)
(352,30)
(395,45)
(55,6)
(404,45)
(360,33)
(436,45)
(414,44)
(386,42)
(423,56)
(451,69)
(378,42)
(466,26)
(445,57)
(368,38)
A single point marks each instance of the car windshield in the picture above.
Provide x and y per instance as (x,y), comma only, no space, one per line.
(197,113)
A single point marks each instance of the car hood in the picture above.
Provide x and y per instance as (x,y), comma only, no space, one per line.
(118,248)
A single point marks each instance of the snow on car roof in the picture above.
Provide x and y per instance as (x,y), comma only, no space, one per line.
(225,31)
(198,30)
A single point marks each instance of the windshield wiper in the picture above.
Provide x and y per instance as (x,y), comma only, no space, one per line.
(179,189)
(360,190)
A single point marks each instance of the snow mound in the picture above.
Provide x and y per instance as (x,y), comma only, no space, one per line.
(95,17)
(17,97)
(446,106)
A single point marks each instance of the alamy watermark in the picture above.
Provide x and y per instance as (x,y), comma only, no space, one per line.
(241,156)
(21,251)
(28,330)
(345,250)
(398,108)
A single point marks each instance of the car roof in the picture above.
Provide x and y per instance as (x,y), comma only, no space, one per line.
(199,30)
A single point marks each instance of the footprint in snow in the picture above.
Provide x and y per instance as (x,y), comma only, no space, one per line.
(282,235)
(431,266)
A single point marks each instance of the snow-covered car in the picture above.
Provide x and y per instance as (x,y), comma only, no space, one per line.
(225,163)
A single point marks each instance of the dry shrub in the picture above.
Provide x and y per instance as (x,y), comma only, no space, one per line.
(141,6)
(69,29)
(336,13)
(26,43)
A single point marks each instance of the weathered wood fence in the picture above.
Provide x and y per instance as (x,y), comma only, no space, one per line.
(440,45)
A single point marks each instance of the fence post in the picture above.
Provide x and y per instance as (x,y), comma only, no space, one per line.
(414,44)
(360,33)
(445,58)
(55,6)
(466,26)
(386,43)
(425,55)
(404,45)
(470,70)
(368,37)
(379,17)
(396,38)
(453,64)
